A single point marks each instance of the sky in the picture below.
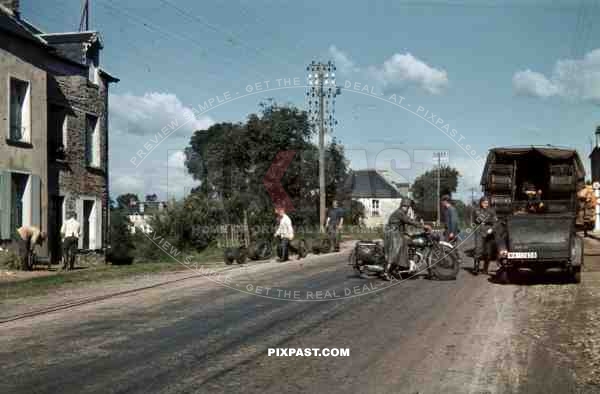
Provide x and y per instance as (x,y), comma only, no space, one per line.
(417,77)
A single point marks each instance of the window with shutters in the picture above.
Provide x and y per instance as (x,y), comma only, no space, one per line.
(19,113)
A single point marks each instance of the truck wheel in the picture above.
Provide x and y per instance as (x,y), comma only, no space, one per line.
(576,274)
(503,276)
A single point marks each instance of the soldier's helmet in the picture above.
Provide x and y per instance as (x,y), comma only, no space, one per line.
(405,203)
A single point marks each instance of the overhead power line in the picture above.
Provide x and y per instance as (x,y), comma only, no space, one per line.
(230,35)
(160,30)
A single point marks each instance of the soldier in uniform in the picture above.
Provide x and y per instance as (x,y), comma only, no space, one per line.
(486,220)
(396,241)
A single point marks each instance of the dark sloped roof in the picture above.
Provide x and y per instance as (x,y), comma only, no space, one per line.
(13,26)
(370,184)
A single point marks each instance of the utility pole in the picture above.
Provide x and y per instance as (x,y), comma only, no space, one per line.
(438,190)
(85,16)
(320,95)
(438,157)
(472,203)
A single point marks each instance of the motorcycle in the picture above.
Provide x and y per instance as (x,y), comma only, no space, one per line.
(426,253)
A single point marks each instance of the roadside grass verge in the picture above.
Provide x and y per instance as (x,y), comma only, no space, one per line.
(41,285)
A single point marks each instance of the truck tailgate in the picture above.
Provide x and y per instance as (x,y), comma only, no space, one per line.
(548,235)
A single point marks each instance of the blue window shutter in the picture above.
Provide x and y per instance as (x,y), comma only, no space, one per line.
(5,205)
(36,201)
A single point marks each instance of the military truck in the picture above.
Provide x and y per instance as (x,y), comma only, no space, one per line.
(542,235)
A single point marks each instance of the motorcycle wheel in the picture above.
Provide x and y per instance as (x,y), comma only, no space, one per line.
(229,256)
(353,261)
(444,264)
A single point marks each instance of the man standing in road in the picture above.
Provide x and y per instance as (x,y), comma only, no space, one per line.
(333,224)
(285,233)
(486,221)
(70,233)
(451,218)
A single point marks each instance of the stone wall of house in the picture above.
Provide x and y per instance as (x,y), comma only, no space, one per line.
(75,178)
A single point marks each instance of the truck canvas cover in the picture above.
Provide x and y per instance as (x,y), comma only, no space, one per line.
(558,155)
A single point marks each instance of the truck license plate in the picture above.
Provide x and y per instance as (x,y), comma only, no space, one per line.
(522,255)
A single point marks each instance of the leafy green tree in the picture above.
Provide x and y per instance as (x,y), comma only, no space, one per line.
(125,201)
(425,189)
(231,161)
(121,240)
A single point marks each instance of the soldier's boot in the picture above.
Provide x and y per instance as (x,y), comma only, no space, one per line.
(476,266)
(486,266)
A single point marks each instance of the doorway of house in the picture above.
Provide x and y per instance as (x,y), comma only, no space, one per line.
(88,209)
(56,222)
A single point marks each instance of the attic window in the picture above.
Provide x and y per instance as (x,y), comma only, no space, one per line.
(93,71)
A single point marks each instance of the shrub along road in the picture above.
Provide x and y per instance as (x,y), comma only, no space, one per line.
(467,336)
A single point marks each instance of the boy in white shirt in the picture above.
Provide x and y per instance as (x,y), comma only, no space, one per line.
(285,232)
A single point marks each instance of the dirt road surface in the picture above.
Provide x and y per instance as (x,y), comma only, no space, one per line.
(418,336)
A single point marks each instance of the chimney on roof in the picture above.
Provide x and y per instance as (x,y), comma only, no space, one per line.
(12,5)
(598,137)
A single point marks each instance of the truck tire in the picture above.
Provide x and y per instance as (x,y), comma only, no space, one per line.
(576,275)
(504,276)
(576,260)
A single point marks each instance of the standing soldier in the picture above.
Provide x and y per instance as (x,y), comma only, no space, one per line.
(486,220)
(70,232)
(451,218)
(333,224)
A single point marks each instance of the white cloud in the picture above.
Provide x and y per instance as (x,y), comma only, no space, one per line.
(570,78)
(146,115)
(404,69)
(121,184)
(342,62)
(531,83)
(399,70)
(176,160)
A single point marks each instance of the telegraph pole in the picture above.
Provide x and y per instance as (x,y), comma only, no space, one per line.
(438,189)
(320,95)
(472,203)
(437,157)
(85,16)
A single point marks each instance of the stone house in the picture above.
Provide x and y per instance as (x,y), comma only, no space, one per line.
(140,215)
(379,197)
(54,156)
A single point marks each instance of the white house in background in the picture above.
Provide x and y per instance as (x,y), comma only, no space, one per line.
(141,213)
(379,197)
